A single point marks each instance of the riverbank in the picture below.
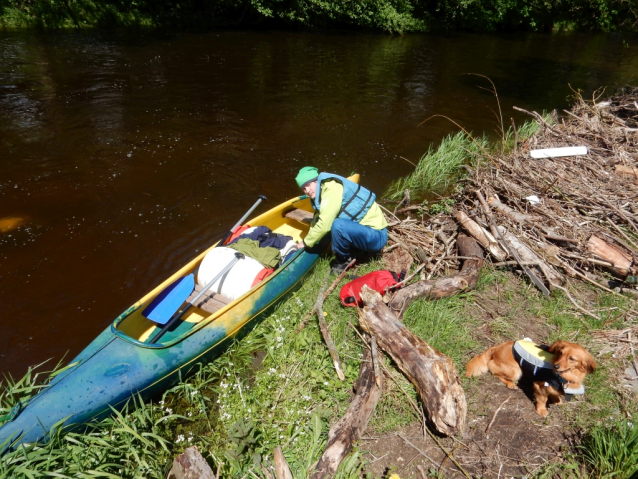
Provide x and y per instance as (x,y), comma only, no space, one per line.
(278,386)
(378,15)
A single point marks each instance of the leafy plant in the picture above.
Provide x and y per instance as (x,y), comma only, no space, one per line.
(612,451)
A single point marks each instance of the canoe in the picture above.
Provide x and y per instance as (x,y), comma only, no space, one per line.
(122,361)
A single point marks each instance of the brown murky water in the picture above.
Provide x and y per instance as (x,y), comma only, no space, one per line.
(122,155)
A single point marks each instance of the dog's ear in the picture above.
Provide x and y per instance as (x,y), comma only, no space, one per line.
(557,347)
(588,364)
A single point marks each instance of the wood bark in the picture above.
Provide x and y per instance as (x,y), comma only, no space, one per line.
(351,426)
(446,286)
(506,210)
(190,465)
(481,235)
(433,374)
(527,255)
(621,260)
(282,470)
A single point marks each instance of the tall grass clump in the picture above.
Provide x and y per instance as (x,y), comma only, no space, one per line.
(612,450)
(439,167)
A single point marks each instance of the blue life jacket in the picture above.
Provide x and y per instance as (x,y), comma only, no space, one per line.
(356,200)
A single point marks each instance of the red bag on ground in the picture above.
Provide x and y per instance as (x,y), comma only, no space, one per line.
(377,280)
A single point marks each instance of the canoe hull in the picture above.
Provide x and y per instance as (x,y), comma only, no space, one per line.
(111,369)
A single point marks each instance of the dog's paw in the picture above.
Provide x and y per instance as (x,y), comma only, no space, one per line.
(541,412)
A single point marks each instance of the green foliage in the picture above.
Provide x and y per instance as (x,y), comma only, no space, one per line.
(440,167)
(128,444)
(392,16)
(612,450)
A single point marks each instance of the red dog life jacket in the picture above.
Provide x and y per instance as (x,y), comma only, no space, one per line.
(377,280)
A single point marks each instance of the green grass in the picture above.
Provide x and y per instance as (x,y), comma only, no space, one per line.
(439,167)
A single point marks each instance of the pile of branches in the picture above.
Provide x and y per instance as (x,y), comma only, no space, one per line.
(554,217)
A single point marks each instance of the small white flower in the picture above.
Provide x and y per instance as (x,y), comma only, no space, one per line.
(325,383)
(281,437)
(190,414)
(169,410)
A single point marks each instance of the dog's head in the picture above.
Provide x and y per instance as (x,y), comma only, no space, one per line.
(572,361)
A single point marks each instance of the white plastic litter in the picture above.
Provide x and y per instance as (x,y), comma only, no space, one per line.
(237,281)
(533,200)
(556,152)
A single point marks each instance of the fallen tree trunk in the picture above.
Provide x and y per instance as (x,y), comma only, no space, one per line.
(350,427)
(433,374)
(446,286)
(190,465)
(282,470)
(495,203)
(621,260)
(527,255)
(481,235)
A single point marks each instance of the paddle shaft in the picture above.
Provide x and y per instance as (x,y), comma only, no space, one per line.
(179,314)
(223,239)
(243,218)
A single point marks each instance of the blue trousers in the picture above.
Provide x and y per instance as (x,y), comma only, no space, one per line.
(350,238)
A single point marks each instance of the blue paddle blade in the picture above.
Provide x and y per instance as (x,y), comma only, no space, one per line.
(165,304)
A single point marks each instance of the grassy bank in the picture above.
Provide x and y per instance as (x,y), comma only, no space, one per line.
(392,16)
(278,387)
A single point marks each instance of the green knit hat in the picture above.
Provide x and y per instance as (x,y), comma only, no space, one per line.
(306,175)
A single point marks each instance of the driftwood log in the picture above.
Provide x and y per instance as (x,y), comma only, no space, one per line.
(433,374)
(527,255)
(481,235)
(190,465)
(351,426)
(445,286)
(282,470)
(495,203)
(621,260)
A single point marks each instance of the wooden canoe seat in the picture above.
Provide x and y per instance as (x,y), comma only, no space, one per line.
(302,216)
(210,302)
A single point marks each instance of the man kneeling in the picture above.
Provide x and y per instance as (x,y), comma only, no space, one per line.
(347,211)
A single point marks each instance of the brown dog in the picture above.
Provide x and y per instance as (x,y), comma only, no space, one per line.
(570,362)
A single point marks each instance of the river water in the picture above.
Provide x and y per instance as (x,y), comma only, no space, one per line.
(125,154)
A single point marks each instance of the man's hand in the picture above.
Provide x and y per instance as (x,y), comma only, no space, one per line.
(301,245)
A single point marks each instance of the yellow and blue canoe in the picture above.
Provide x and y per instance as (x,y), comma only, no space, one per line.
(122,362)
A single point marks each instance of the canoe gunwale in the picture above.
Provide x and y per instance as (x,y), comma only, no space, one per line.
(191,266)
(207,320)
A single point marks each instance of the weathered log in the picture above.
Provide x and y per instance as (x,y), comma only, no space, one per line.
(630,172)
(282,470)
(481,235)
(528,255)
(506,210)
(190,465)
(351,426)
(446,286)
(433,374)
(621,260)
(510,250)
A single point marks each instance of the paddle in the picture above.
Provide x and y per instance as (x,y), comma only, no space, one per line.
(179,314)
(162,308)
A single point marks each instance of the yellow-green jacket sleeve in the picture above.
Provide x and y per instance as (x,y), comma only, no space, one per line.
(331,196)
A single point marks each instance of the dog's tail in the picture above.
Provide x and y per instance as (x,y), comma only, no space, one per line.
(478,364)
